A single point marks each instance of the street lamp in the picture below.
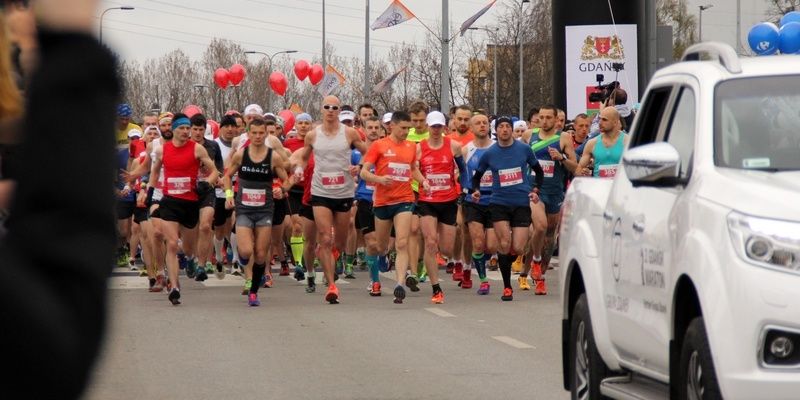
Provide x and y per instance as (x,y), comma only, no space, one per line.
(703,8)
(521,75)
(269,67)
(494,64)
(124,8)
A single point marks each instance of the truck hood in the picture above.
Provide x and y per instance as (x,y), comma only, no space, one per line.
(763,194)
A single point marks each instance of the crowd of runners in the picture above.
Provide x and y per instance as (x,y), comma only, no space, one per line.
(412,191)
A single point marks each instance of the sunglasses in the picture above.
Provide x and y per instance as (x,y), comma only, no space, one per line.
(330,107)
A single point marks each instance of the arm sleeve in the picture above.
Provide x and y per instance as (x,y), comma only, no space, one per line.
(537,169)
(62,230)
(462,171)
(483,165)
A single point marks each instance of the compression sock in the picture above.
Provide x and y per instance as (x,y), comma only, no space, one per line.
(218,249)
(504,261)
(296,243)
(372,264)
(480,265)
(258,273)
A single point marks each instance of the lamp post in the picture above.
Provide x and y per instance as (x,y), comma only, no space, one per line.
(521,74)
(703,8)
(124,8)
(269,68)
(494,65)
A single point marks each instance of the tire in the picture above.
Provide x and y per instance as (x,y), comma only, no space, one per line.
(697,378)
(587,369)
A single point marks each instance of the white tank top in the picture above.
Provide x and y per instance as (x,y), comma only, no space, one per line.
(332,177)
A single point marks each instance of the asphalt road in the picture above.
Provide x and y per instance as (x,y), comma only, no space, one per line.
(296,346)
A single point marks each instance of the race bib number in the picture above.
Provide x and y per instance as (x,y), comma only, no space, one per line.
(332,180)
(254,197)
(439,182)
(549,167)
(486,180)
(510,176)
(179,185)
(607,171)
(399,172)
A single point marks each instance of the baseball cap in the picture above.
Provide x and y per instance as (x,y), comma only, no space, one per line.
(347,116)
(520,124)
(387,118)
(124,110)
(435,118)
(136,132)
(254,109)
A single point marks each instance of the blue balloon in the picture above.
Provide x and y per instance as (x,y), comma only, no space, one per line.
(789,42)
(764,38)
(791,16)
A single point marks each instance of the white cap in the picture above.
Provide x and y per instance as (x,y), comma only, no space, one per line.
(386,118)
(253,109)
(520,124)
(136,132)
(436,118)
(347,116)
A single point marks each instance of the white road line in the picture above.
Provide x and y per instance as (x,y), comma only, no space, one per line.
(128,282)
(439,312)
(512,342)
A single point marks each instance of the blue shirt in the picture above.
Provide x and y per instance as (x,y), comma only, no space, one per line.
(364,190)
(122,164)
(474,155)
(510,182)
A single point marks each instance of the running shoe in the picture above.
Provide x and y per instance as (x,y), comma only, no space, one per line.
(175,297)
(541,288)
(466,283)
(284,268)
(123,260)
(210,269)
(201,275)
(332,296)
(399,294)
(508,294)
(483,289)
(523,283)
(312,285)
(536,270)
(383,263)
(182,261)
(375,290)
(423,272)
(159,285)
(516,266)
(449,268)
(152,282)
(299,275)
(191,268)
(266,280)
(143,271)
(236,269)
(438,298)
(246,288)
(132,265)
(252,300)
(458,272)
(348,272)
(339,266)
(493,263)
(440,260)
(413,283)
(220,271)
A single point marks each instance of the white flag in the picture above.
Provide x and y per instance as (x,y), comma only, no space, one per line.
(385,84)
(396,14)
(475,17)
(332,80)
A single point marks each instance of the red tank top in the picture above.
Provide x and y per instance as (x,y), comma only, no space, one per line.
(307,173)
(438,167)
(180,171)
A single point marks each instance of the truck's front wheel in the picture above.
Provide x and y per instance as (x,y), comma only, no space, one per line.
(588,369)
(698,380)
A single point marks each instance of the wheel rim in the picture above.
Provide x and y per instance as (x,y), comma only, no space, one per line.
(694,381)
(581,363)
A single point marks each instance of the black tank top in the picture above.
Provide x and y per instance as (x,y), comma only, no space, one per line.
(255,183)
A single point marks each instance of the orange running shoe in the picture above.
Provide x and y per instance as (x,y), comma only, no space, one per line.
(438,298)
(508,294)
(440,260)
(375,290)
(541,288)
(466,283)
(333,294)
(536,270)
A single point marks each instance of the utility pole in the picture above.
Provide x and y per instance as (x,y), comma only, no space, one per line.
(323,35)
(366,54)
(445,95)
(739,26)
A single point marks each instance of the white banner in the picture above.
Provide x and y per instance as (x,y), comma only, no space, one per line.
(593,50)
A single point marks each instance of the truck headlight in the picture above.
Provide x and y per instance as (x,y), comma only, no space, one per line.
(766,242)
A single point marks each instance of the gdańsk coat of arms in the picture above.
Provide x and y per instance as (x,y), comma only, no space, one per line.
(609,47)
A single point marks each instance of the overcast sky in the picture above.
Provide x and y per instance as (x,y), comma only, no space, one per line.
(159,26)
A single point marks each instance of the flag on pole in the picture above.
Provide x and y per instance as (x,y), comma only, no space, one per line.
(396,14)
(386,84)
(475,17)
(332,80)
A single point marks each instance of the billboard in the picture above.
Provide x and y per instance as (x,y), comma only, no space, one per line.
(592,50)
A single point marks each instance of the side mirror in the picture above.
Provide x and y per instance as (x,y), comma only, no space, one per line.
(654,164)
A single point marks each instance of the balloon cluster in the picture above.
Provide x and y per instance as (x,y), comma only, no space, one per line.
(766,38)
(302,70)
(232,76)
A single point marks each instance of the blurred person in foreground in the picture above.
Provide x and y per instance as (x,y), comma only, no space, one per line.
(58,250)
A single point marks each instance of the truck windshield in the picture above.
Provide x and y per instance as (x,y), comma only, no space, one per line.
(757,123)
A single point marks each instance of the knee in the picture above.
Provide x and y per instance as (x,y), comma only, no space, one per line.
(325,240)
(477,244)
(401,244)
(431,247)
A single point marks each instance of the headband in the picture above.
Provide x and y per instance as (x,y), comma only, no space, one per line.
(180,121)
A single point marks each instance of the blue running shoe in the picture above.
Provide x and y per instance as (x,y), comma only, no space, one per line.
(383,263)
(191,268)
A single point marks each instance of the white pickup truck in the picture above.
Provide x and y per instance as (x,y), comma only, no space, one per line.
(680,276)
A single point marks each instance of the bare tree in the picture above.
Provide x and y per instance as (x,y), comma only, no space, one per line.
(684,24)
(778,8)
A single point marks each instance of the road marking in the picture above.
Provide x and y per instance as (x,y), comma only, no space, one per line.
(128,282)
(512,342)
(439,312)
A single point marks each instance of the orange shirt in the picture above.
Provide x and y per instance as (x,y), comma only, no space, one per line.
(394,160)
(463,140)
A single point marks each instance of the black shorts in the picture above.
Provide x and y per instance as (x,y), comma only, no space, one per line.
(125,209)
(184,212)
(295,202)
(335,205)
(307,212)
(280,212)
(221,214)
(141,214)
(365,218)
(518,217)
(477,213)
(446,213)
(206,195)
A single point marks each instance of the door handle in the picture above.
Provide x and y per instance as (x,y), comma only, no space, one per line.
(608,215)
(638,226)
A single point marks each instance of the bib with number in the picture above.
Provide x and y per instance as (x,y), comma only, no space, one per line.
(400,172)
(549,167)
(439,182)
(510,176)
(179,185)
(254,197)
(486,180)
(332,180)
(607,171)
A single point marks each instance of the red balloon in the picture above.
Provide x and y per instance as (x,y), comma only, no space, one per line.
(237,74)
(288,120)
(212,129)
(301,69)
(191,110)
(316,74)
(278,83)
(222,78)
